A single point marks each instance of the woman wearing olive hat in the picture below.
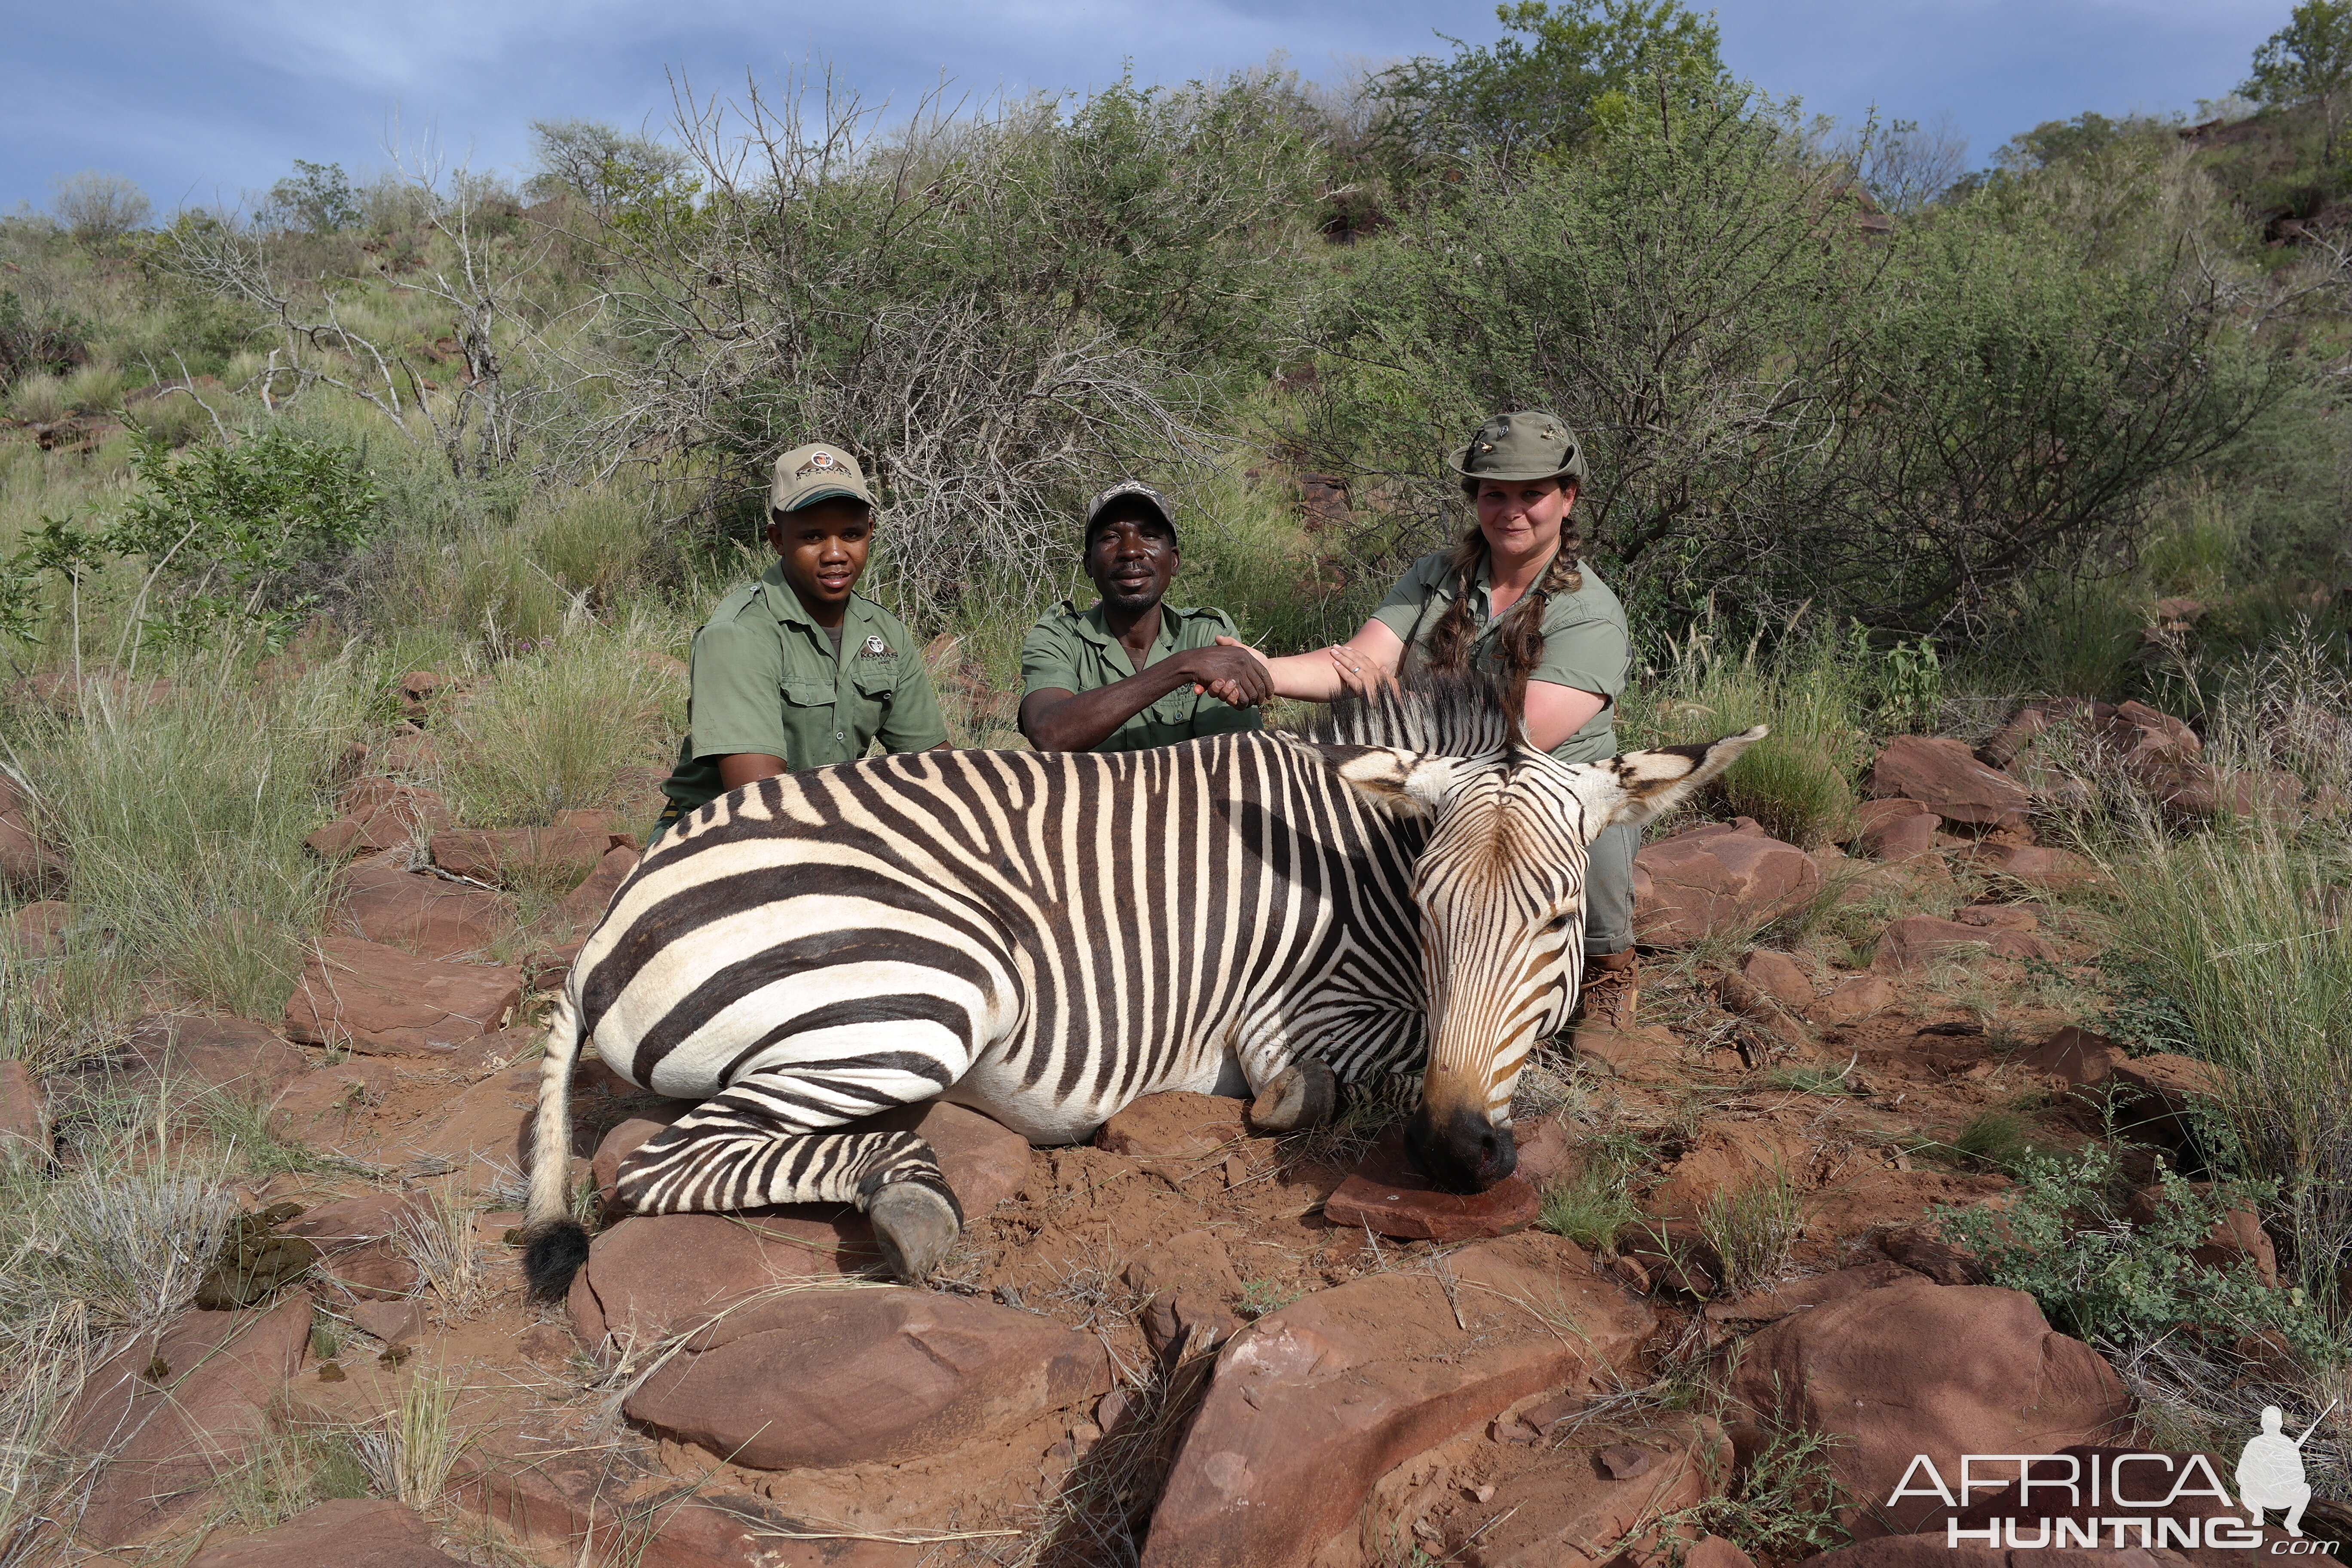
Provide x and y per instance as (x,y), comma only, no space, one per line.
(1515,599)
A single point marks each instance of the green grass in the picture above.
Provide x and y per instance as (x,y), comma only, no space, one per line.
(1590,1208)
(1754,1231)
(559,727)
(183,817)
(1996,1140)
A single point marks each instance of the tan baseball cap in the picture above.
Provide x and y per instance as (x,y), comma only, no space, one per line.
(818,471)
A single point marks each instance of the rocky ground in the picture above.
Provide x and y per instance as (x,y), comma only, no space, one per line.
(1183,1343)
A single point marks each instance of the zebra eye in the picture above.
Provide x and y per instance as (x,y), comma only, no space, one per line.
(1559,921)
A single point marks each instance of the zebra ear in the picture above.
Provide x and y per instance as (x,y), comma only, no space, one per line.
(1654,783)
(1393,780)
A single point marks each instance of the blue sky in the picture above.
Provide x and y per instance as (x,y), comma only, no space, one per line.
(201,101)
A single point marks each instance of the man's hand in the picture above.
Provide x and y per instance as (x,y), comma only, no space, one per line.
(1229,672)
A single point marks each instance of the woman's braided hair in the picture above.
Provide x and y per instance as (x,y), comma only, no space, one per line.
(1519,638)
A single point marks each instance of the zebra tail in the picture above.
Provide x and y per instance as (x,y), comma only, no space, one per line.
(554,1244)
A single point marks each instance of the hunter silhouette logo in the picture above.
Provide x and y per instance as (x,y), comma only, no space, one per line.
(2088,1499)
(2270,1471)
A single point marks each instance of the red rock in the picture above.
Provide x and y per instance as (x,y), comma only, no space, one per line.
(558,937)
(321,1105)
(420,912)
(653,1275)
(374,1271)
(1313,1404)
(1717,878)
(1386,1196)
(1854,999)
(368,997)
(1943,777)
(1915,940)
(1933,1552)
(394,1323)
(349,1533)
(28,868)
(1650,1054)
(172,1433)
(2237,1238)
(1714,1552)
(2159,1094)
(1871,815)
(240,1060)
(1779,977)
(2077,1056)
(419,688)
(2033,864)
(2012,738)
(1175,1126)
(38,930)
(356,1239)
(1804,1295)
(499,854)
(1902,838)
(1998,917)
(1578,1504)
(1918,1368)
(1184,1285)
(24,1115)
(2151,733)
(822,1379)
(1931,1256)
(1542,1145)
(381,813)
(570,1503)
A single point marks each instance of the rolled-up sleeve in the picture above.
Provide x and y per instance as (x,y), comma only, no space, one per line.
(1588,653)
(914,722)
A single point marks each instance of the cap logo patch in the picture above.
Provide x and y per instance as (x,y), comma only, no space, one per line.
(822,463)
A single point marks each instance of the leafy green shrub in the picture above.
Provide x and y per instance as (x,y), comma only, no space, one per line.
(2063,1238)
(243,531)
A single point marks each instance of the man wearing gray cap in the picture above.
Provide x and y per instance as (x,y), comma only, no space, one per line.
(1133,672)
(798,670)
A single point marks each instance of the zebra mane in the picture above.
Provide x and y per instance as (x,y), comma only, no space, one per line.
(1449,714)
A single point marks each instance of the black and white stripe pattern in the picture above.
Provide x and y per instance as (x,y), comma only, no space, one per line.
(1046,937)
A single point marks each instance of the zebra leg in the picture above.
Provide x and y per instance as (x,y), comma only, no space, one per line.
(745,1148)
(1304,1094)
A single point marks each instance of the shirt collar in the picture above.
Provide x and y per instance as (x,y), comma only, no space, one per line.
(1091,627)
(786,606)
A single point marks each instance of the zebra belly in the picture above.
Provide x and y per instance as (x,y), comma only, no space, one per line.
(993,1088)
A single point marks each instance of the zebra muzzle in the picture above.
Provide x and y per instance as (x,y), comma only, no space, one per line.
(1462,1151)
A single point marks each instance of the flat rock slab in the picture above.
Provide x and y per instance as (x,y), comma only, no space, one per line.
(1577,1508)
(567,851)
(1945,776)
(175,1409)
(653,1275)
(1916,941)
(380,814)
(419,913)
(1312,1405)
(821,1378)
(349,1533)
(38,930)
(240,1060)
(1387,1196)
(1720,876)
(379,1000)
(1175,1126)
(24,1114)
(327,1106)
(1915,1368)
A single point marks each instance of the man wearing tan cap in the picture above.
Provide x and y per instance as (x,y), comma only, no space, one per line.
(797,670)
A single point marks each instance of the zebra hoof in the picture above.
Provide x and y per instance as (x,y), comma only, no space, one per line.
(915,1227)
(1304,1094)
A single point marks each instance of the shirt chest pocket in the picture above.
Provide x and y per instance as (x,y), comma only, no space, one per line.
(808,693)
(875,679)
(1176,708)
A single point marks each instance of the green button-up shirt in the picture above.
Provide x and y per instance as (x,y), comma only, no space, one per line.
(1070,649)
(1586,644)
(767,680)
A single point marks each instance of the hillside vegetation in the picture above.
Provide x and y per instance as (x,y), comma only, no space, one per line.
(1875,453)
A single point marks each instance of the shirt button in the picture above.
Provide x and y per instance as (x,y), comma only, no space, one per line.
(839,736)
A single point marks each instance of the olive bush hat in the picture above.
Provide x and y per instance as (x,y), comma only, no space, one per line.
(818,471)
(1523,446)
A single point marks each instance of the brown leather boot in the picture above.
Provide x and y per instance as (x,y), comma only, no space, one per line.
(1613,992)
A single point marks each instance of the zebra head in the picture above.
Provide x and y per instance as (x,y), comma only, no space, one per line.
(1499,887)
